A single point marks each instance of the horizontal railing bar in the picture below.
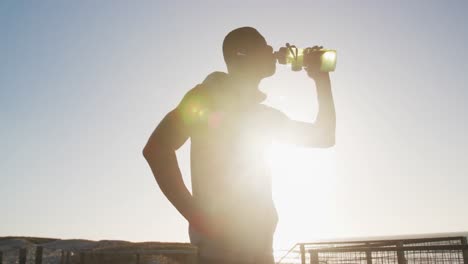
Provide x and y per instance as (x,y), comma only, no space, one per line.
(377,249)
(143,252)
(404,241)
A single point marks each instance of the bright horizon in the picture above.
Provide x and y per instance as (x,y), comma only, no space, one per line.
(83,85)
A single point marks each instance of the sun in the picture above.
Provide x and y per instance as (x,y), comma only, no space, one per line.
(309,167)
(304,190)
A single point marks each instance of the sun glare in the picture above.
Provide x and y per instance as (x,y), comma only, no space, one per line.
(304,189)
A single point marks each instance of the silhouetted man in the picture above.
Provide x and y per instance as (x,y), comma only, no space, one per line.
(230,212)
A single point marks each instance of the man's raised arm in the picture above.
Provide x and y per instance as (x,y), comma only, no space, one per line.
(326,116)
(321,133)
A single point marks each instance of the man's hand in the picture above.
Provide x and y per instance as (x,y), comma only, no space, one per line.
(313,68)
(321,133)
(205,225)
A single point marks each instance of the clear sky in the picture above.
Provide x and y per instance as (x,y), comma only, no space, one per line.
(84,83)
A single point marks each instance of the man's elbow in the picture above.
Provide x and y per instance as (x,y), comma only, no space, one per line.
(327,136)
(146,152)
(327,139)
(153,150)
(327,142)
(331,142)
(150,151)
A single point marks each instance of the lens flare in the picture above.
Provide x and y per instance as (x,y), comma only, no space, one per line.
(194,110)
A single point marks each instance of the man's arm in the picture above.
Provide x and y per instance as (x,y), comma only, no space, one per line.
(321,133)
(170,135)
(160,154)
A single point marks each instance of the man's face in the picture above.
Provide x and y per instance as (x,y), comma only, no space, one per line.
(260,61)
(264,60)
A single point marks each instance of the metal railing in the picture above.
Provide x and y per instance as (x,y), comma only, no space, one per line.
(402,251)
(41,255)
(451,250)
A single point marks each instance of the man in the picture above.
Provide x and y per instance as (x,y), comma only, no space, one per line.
(230,211)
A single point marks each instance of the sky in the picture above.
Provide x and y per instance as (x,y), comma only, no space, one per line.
(84,83)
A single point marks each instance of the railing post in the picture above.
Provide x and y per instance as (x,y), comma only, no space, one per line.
(369,256)
(137,258)
(67,260)
(196,256)
(38,259)
(82,258)
(1,257)
(303,260)
(62,257)
(401,253)
(92,258)
(465,251)
(314,259)
(192,258)
(22,256)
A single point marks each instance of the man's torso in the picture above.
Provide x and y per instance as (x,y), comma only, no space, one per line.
(230,177)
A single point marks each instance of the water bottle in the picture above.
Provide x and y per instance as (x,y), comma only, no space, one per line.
(299,58)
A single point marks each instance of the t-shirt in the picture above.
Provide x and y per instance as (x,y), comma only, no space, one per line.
(229,133)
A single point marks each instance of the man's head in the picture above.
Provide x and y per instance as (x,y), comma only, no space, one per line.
(247,53)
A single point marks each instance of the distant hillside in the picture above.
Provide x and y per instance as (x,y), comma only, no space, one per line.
(113,249)
(16,242)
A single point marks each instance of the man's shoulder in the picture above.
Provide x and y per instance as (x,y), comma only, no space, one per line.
(197,93)
(212,85)
(213,82)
